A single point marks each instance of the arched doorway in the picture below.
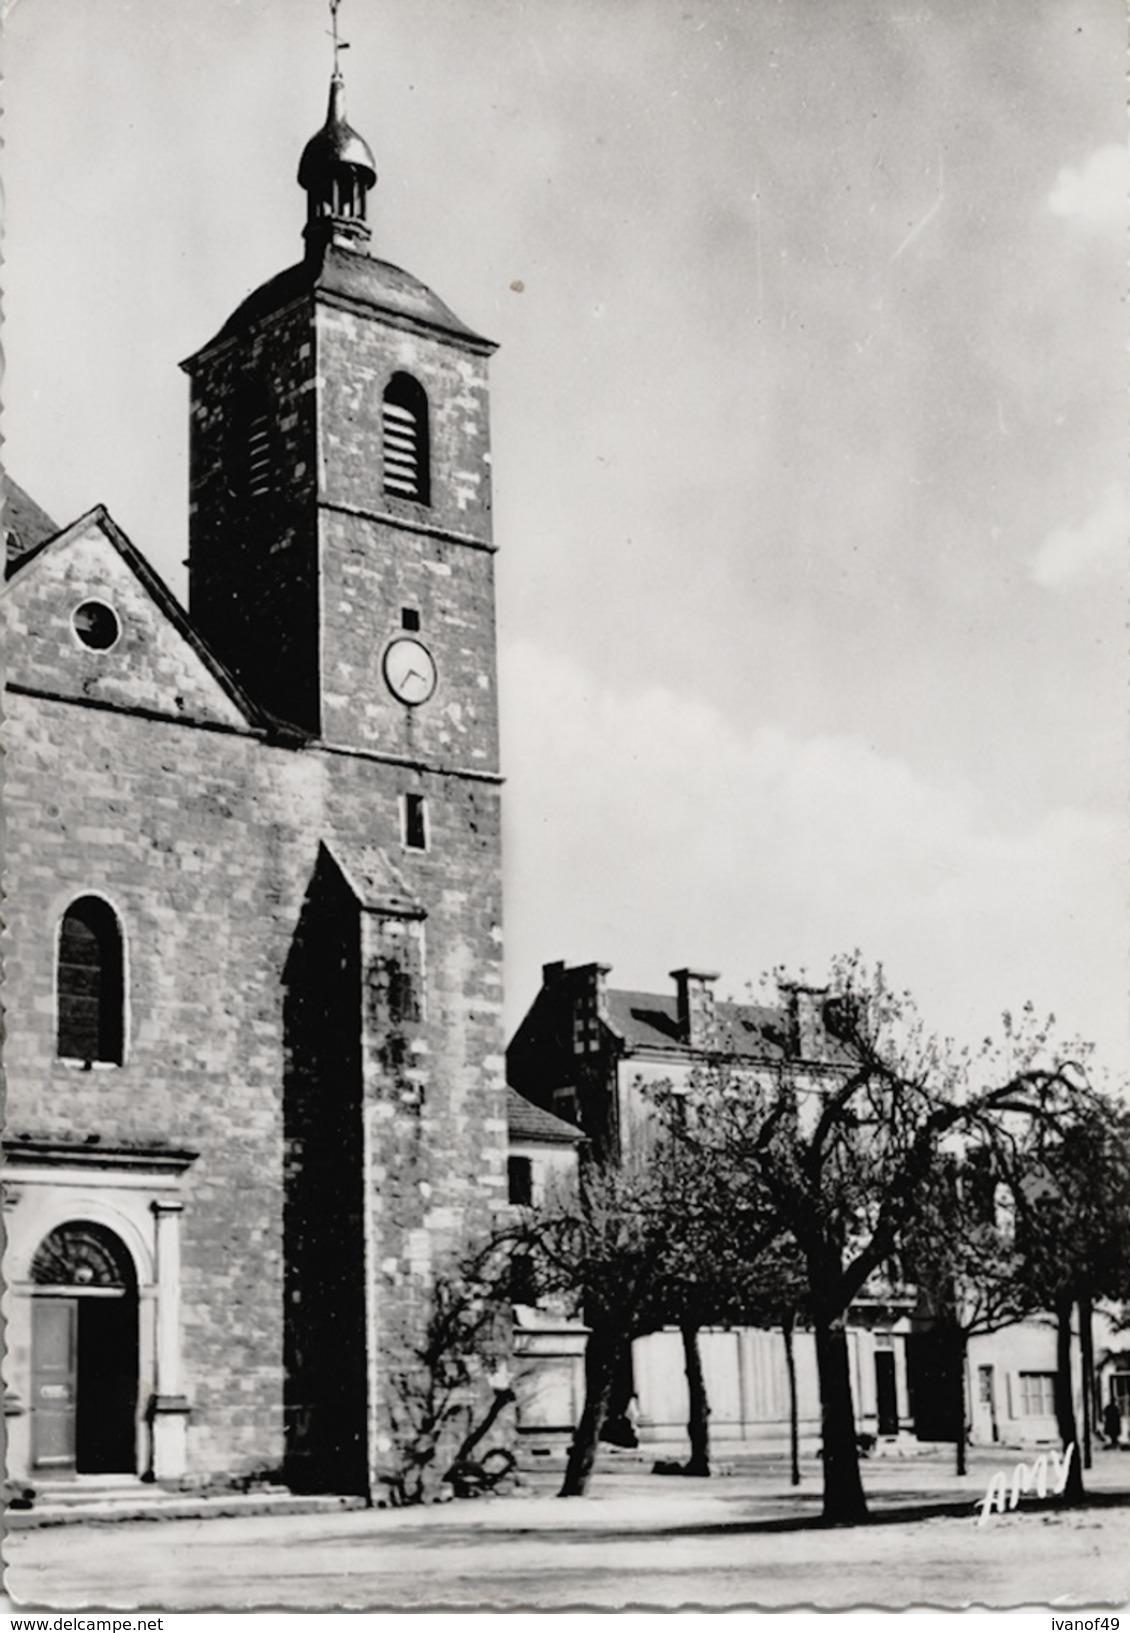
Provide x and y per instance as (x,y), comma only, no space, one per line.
(84,1352)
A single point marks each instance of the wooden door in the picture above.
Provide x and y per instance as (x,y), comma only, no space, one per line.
(886,1396)
(54,1354)
(105,1431)
(988,1397)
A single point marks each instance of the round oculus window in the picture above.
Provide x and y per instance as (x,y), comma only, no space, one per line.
(96,625)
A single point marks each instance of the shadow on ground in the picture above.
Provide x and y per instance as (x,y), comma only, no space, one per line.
(892,1512)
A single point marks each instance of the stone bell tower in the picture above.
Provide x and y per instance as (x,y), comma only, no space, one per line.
(342,567)
(340,557)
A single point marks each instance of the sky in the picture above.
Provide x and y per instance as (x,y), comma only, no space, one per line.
(809,420)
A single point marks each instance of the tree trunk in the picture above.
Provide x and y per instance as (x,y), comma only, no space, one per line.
(698,1418)
(1064,1404)
(794,1419)
(602,1355)
(1087,1367)
(502,1399)
(962,1367)
(844,1502)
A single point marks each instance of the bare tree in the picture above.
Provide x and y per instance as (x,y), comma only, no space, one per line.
(649,1240)
(449,1382)
(1070,1179)
(843,1148)
(602,1243)
(723,1263)
(962,1257)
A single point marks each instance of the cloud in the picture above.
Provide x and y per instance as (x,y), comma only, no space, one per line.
(1095,548)
(648,830)
(1097,194)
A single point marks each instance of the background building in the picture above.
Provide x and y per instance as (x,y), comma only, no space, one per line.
(590,1052)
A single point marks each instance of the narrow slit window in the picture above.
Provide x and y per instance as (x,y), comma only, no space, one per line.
(409,618)
(404,427)
(90,984)
(415,822)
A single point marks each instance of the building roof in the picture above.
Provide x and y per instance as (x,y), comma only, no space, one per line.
(352,279)
(337,144)
(375,880)
(26,525)
(38,556)
(650,1019)
(527,1122)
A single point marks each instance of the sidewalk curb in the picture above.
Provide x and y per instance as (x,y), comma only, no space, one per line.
(227,1507)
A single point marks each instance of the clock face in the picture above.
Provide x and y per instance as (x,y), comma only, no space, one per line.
(410,671)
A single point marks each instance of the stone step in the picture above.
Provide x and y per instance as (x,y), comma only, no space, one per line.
(146,1502)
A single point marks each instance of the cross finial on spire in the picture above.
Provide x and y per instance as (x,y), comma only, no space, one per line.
(336,170)
(339,44)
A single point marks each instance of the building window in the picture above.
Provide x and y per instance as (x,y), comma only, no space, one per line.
(523,1280)
(248,449)
(258,455)
(1037,1394)
(415,822)
(409,618)
(520,1173)
(586,1026)
(404,428)
(96,625)
(90,984)
(1120,1392)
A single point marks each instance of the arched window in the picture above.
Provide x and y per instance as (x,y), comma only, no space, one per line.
(404,427)
(91,987)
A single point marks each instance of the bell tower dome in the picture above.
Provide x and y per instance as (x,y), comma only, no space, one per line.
(337,172)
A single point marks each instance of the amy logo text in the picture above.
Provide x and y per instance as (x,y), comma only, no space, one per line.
(1027,1477)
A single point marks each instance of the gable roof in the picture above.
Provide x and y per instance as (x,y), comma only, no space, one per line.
(154,588)
(650,1019)
(374,879)
(527,1122)
(26,526)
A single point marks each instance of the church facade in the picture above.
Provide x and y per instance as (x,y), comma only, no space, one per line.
(253,951)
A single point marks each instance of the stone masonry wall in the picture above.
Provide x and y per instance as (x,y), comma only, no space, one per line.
(206,843)
(253,557)
(381,553)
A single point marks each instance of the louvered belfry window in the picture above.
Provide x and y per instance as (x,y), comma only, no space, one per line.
(90,983)
(258,455)
(404,426)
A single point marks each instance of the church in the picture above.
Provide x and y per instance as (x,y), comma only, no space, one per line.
(257,1093)
(253,949)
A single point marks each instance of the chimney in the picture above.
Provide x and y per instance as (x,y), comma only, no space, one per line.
(695,1006)
(592,983)
(589,983)
(804,1008)
(552,973)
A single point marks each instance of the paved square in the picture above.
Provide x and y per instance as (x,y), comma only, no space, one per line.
(742,1537)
